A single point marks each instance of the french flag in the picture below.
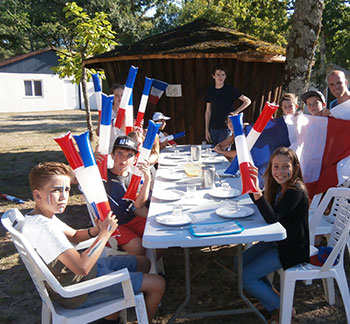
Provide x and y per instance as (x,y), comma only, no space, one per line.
(341,111)
(157,89)
(322,145)
(143,102)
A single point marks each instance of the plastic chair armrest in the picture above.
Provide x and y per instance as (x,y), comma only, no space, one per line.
(93,284)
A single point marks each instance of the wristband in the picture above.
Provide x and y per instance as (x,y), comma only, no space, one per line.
(90,233)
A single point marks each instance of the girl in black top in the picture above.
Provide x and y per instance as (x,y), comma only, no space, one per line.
(285,200)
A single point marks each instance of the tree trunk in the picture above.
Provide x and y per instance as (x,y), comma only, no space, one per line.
(306,26)
(86,104)
(321,73)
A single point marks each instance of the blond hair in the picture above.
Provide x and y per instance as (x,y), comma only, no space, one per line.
(41,174)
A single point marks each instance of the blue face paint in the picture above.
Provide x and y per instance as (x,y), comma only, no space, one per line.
(288,174)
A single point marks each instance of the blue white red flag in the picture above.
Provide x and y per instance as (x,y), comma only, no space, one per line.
(322,145)
(157,89)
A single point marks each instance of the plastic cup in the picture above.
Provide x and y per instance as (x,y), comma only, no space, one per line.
(231,205)
(177,210)
(191,189)
(196,152)
(225,186)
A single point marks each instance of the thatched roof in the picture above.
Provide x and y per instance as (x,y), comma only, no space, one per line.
(199,39)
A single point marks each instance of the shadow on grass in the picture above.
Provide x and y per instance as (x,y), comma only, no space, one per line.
(15,168)
(45,123)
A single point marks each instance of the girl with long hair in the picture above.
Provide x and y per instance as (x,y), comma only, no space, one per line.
(285,200)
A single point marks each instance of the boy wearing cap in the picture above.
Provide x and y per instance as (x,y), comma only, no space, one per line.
(159,117)
(315,102)
(131,216)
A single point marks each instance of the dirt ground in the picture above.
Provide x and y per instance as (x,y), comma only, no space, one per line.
(213,288)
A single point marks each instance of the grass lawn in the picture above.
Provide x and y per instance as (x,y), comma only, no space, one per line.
(27,139)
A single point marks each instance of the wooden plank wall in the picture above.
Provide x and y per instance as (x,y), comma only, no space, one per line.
(259,81)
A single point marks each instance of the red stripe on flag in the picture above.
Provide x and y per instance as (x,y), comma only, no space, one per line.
(139,119)
(337,147)
(248,185)
(131,192)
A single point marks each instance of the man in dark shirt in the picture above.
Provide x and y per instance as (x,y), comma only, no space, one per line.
(219,103)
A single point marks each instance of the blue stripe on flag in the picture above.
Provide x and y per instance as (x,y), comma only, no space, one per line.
(97,83)
(85,149)
(237,123)
(161,85)
(106,112)
(151,134)
(274,135)
(147,86)
(178,135)
(131,77)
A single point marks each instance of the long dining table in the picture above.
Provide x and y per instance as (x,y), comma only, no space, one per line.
(202,207)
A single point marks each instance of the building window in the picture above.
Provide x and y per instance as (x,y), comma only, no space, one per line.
(33,88)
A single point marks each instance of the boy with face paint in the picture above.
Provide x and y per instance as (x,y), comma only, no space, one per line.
(52,239)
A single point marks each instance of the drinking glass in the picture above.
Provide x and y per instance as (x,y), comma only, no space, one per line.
(177,210)
(231,205)
(190,189)
(225,186)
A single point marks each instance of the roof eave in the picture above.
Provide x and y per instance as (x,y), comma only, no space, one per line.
(244,57)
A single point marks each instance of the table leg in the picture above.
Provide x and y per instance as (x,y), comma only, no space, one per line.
(251,308)
(188,287)
(151,254)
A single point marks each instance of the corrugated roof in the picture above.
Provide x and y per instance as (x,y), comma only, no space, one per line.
(200,38)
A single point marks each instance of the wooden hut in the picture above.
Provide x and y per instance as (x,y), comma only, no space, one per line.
(186,56)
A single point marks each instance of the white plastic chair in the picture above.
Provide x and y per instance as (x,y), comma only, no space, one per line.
(39,272)
(321,224)
(338,239)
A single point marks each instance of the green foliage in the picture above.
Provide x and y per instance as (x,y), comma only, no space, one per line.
(265,19)
(130,19)
(27,25)
(14,21)
(92,36)
(336,27)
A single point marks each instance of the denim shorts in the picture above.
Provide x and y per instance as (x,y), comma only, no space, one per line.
(108,265)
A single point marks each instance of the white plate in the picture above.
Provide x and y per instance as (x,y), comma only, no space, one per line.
(173,175)
(173,156)
(222,174)
(219,193)
(169,195)
(211,155)
(171,220)
(242,212)
(212,160)
(168,162)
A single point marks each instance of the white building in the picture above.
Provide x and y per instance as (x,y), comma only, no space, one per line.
(27,84)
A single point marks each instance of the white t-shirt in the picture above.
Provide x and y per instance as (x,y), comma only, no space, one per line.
(43,232)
